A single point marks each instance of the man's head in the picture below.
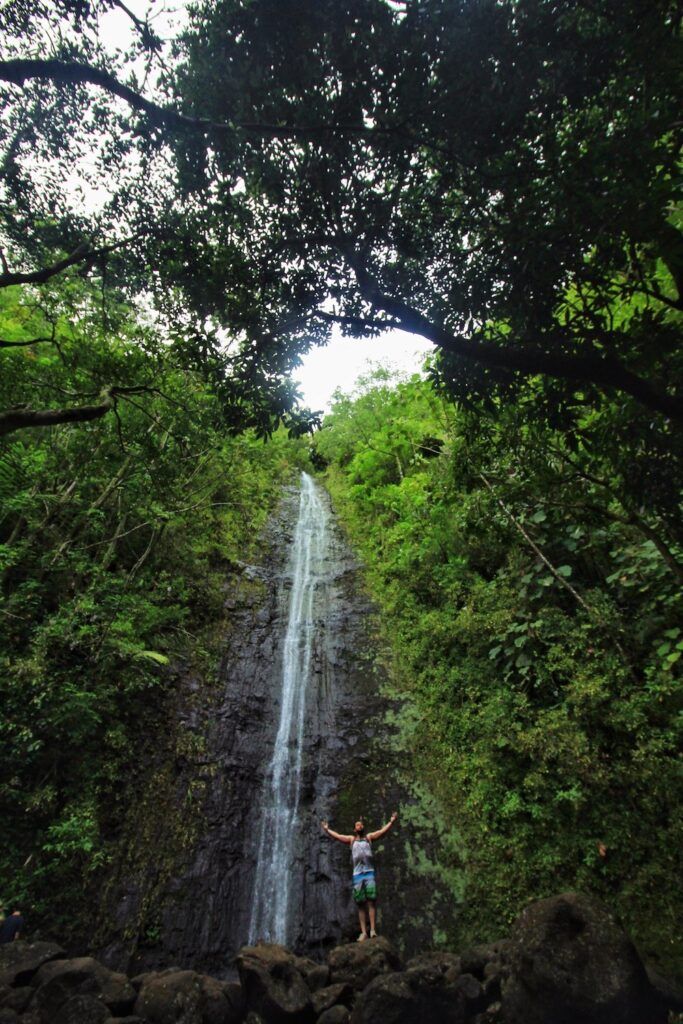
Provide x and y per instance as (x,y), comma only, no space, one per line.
(359,827)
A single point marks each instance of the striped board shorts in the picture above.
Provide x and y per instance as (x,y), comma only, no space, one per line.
(364,886)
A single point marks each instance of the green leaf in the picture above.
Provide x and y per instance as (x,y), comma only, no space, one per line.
(154,656)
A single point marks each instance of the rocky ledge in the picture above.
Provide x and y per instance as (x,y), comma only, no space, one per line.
(566,962)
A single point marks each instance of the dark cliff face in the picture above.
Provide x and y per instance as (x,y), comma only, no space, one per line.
(203,906)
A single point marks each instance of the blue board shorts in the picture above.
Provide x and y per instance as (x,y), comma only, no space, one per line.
(364,886)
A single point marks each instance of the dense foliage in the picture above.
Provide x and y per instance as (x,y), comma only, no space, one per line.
(117,541)
(500,176)
(535,623)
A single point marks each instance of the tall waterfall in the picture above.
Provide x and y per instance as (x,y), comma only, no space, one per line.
(279,833)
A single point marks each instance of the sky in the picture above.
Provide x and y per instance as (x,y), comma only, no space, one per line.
(339,364)
(343,360)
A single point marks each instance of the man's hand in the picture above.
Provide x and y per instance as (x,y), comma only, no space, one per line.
(394,816)
(325,825)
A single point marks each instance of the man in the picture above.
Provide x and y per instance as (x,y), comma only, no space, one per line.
(12,927)
(364,885)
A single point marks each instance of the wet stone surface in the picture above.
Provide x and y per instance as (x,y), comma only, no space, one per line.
(348,770)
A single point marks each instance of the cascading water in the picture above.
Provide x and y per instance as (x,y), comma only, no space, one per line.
(278,837)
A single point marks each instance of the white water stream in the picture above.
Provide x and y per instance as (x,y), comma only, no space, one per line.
(280,834)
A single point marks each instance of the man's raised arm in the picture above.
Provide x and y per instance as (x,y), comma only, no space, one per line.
(385,828)
(335,835)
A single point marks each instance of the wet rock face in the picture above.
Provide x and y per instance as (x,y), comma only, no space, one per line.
(205,909)
(206,906)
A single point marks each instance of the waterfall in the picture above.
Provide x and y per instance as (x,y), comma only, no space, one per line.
(280,835)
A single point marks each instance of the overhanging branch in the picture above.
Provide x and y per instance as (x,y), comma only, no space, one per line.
(605,373)
(65,73)
(83,253)
(23,417)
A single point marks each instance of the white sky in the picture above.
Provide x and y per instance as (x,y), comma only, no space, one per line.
(324,369)
(339,364)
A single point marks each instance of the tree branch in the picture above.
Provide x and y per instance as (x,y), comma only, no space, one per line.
(603,372)
(21,344)
(22,417)
(81,254)
(18,71)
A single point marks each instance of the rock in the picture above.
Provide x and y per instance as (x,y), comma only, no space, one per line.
(234,993)
(335,1015)
(492,989)
(8,1016)
(139,979)
(491,1015)
(403,998)
(273,987)
(570,963)
(468,991)
(17,998)
(315,975)
(357,963)
(327,997)
(475,960)
(670,994)
(431,967)
(20,960)
(254,1018)
(58,980)
(82,1010)
(187,997)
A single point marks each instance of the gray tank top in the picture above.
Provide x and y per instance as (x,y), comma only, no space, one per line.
(361,855)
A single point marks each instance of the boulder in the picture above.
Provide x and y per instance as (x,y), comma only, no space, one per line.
(58,980)
(357,963)
(571,963)
(273,986)
(314,974)
(432,967)
(403,998)
(467,991)
(17,998)
(20,960)
(670,994)
(335,1015)
(82,1010)
(187,998)
(31,1016)
(476,959)
(234,993)
(329,996)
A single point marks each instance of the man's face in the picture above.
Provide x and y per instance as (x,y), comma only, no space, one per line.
(358,828)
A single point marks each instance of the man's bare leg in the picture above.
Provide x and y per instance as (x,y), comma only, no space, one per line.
(363,923)
(371,912)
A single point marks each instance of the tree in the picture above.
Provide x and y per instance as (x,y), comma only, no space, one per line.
(114,222)
(498,177)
